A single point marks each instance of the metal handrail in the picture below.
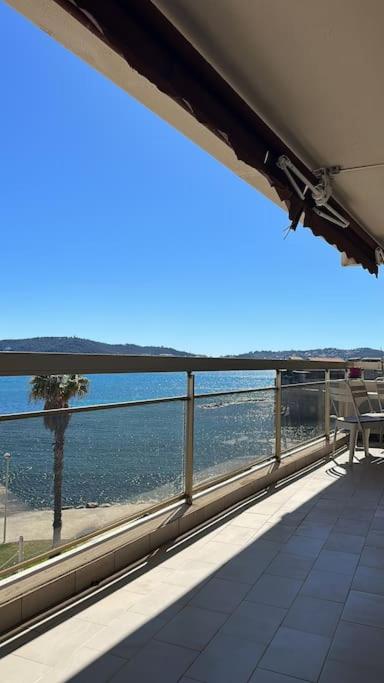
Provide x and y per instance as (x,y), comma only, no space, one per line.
(302,384)
(229,392)
(90,408)
(26,363)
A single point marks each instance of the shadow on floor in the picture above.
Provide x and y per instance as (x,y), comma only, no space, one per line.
(241,566)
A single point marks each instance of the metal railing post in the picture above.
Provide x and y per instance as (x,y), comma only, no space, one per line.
(327,404)
(278,415)
(189,434)
(7,457)
(21,549)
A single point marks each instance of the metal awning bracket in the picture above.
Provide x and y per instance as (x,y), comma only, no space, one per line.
(379,256)
(321,193)
(333,216)
(289,169)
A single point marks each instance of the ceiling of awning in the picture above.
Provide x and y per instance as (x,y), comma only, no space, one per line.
(313,72)
(267,79)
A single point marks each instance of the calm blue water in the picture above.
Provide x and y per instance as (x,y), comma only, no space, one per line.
(136,454)
(132,387)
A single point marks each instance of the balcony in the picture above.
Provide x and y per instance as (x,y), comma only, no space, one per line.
(258,555)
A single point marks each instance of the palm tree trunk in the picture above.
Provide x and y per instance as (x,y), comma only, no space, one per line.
(58,462)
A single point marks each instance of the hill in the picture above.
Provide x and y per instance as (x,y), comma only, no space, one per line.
(331,352)
(77,345)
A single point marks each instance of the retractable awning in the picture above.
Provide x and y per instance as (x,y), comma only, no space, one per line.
(288,87)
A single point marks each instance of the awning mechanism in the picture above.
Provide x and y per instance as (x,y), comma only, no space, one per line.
(379,255)
(321,193)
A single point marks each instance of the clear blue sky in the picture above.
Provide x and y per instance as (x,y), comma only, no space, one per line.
(116,227)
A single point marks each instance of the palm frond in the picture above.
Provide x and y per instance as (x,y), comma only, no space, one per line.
(57,390)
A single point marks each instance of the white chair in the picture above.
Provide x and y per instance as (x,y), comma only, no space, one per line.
(348,400)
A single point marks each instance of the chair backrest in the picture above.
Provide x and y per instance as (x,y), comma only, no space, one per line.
(360,397)
(370,385)
(341,398)
(349,398)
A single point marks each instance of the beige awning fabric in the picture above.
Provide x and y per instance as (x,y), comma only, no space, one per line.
(241,69)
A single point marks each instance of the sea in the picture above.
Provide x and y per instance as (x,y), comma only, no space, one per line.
(136,454)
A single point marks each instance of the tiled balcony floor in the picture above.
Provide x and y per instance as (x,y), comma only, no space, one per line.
(285,589)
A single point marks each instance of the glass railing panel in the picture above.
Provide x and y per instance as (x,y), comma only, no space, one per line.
(302,414)
(103,388)
(99,466)
(232,431)
(232,380)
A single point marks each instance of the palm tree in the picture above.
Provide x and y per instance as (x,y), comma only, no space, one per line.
(56,391)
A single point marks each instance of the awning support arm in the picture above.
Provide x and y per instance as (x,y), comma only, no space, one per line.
(321,192)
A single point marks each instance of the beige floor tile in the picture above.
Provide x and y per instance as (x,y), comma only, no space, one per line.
(264,676)
(377,523)
(250,520)
(313,530)
(279,591)
(356,644)
(235,535)
(326,585)
(369,580)
(365,608)
(322,517)
(191,576)
(254,621)
(216,553)
(313,615)
(227,659)
(330,505)
(164,601)
(372,557)
(292,566)
(348,543)
(296,653)
(109,607)
(260,547)
(156,663)
(268,506)
(338,562)
(57,644)
(338,672)
(293,518)
(126,635)
(146,582)
(193,627)
(375,539)
(15,669)
(351,526)
(277,532)
(220,595)
(243,569)
(85,666)
(179,557)
(303,546)
(355,512)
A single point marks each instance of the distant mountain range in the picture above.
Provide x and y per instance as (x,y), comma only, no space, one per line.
(331,352)
(77,345)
